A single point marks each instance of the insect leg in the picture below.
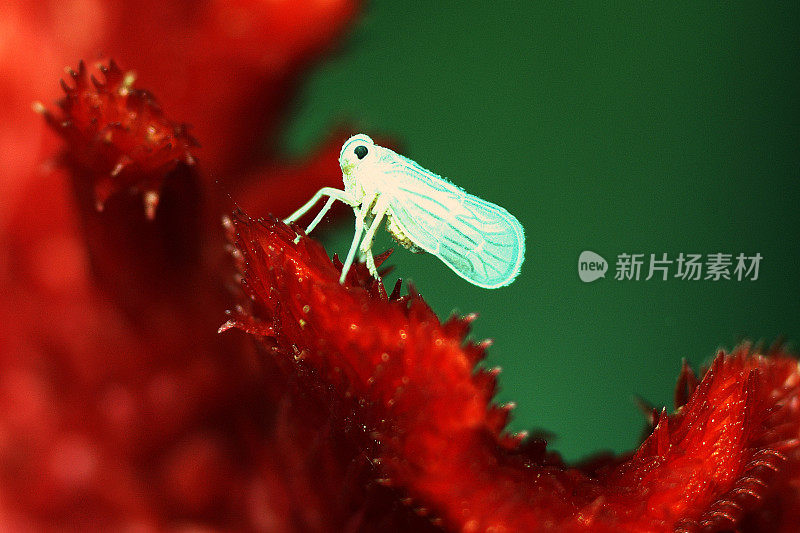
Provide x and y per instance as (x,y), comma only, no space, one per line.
(321,214)
(325,191)
(351,254)
(366,244)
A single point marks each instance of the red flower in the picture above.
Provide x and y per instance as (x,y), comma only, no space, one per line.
(117,136)
(728,458)
(356,410)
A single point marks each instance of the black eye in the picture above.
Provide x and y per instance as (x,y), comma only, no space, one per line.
(361,151)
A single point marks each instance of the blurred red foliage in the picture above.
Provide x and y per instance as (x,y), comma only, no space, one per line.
(122,408)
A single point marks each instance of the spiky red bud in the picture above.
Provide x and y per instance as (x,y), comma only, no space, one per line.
(118,138)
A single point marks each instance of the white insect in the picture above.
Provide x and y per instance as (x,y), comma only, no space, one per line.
(482,242)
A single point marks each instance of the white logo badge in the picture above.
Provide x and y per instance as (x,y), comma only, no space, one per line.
(591,266)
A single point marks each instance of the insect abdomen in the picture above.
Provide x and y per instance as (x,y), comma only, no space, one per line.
(399,235)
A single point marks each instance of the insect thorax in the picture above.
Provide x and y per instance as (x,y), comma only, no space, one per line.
(397,234)
(354,186)
(350,184)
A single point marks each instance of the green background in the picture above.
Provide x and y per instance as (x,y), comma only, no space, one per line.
(637,128)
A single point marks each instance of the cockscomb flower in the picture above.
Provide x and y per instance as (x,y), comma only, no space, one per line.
(121,408)
(117,135)
(727,459)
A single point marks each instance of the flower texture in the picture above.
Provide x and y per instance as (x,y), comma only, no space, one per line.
(406,389)
(341,407)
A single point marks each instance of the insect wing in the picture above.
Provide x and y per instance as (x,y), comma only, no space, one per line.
(482,242)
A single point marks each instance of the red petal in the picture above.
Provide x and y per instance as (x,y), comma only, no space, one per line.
(723,460)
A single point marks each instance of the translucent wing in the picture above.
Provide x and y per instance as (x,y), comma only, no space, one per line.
(482,242)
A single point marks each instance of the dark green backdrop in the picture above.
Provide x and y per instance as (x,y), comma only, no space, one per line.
(628,129)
